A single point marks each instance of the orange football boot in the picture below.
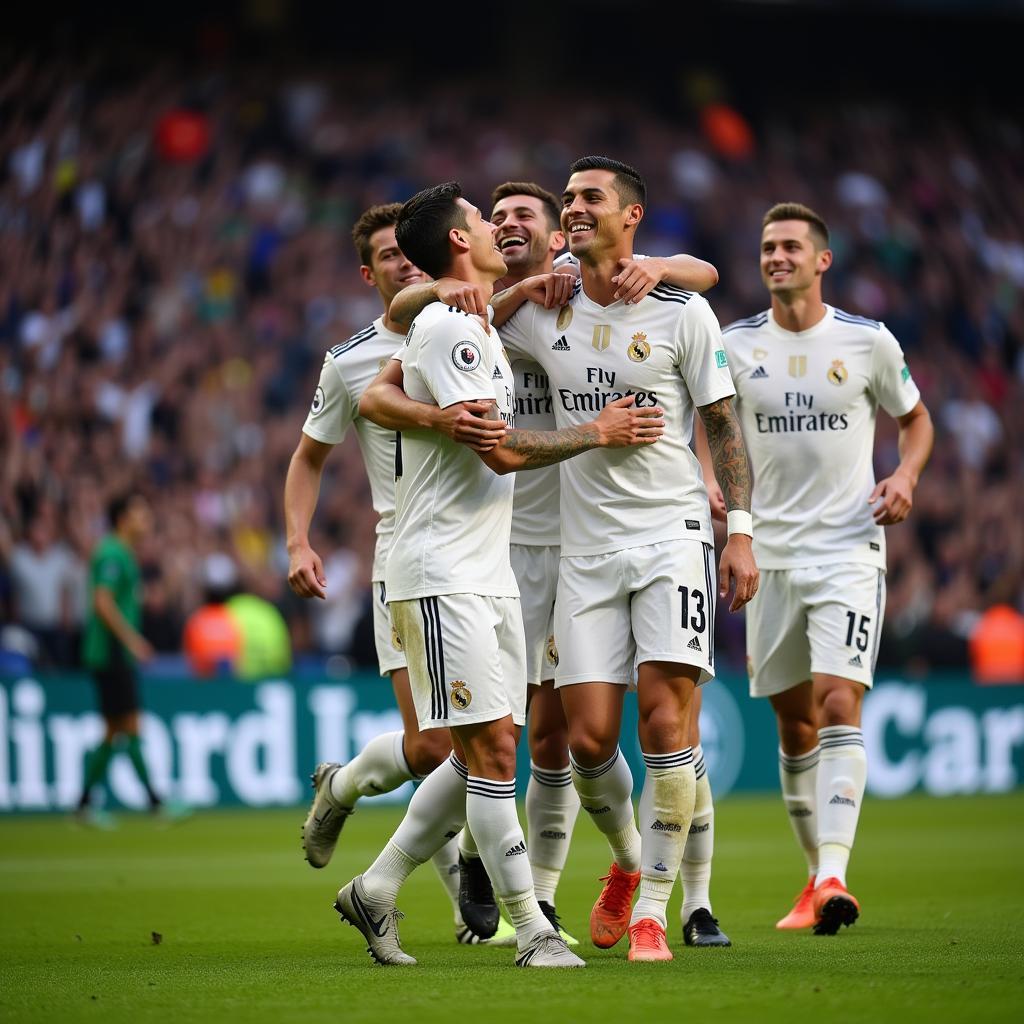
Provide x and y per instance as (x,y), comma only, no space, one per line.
(834,906)
(610,917)
(647,941)
(802,915)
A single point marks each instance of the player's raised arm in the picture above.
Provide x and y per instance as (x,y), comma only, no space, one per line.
(386,404)
(732,471)
(619,425)
(411,301)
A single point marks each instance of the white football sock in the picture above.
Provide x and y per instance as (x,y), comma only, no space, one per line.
(437,808)
(491,812)
(798,774)
(446,864)
(700,844)
(551,808)
(842,776)
(666,811)
(379,767)
(606,794)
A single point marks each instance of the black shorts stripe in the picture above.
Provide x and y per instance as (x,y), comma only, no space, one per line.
(878,621)
(712,601)
(434,658)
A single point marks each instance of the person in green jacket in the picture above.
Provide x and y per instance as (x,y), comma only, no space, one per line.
(113,644)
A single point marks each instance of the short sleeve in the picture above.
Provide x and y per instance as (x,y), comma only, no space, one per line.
(108,571)
(517,332)
(891,384)
(332,410)
(454,364)
(703,364)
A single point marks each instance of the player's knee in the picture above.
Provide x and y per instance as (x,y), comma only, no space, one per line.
(549,748)
(797,733)
(840,706)
(424,751)
(663,729)
(591,747)
(496,759)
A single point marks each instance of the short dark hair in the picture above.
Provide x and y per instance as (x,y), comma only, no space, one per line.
(371,221)
(627,182)
(530,188)
(119,505)
(423,225)
(797,211)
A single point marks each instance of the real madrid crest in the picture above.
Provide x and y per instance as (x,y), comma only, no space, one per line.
(837,373)
(462,697)
(564,318)
(551,651)
(638,349)
(396,640)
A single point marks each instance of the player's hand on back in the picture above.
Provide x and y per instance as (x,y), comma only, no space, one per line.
(551,291)
(737,566)
(463,295)
(474,424)
(622,425)
(306,573)
(636,278)
(895,497)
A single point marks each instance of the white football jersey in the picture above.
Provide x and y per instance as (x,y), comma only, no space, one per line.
(454,514)
(807,401)
(348,370)
(535,510)
(667,351)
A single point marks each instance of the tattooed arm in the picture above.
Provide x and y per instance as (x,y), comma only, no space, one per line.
(728,453)
(619,425)
(732,470)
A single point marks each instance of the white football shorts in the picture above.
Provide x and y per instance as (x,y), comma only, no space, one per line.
(536,569)
(827,619)
(467,658)
(649,603)
(390,655)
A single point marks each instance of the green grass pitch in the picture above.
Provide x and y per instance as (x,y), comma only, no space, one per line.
(248,933)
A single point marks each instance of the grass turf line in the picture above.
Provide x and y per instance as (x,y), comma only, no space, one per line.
(248,933)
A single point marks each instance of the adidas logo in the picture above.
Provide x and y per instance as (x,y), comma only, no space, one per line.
(759,374)
(516,850)
(450,835)
(497,374)
(550,833)
(666,826)
(454,869)
(855,660)
(697,829)
(844,801)
(660,866)
(800,812)
(561,345)
(596,810)
(694,644)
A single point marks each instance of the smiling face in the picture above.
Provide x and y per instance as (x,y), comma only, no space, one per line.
(525,235)
(389,270)
(791,263)
(594,217)
(478,242)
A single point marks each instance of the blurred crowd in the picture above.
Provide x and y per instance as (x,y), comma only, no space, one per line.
(175,259)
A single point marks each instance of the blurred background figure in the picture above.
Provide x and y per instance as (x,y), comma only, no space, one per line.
(113,646)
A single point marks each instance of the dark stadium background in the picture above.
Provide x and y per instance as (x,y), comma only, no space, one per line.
(162,321)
